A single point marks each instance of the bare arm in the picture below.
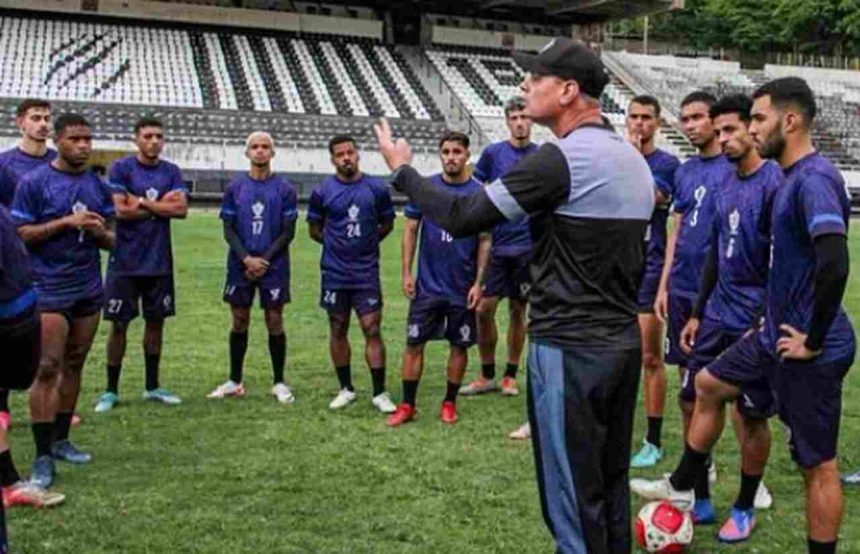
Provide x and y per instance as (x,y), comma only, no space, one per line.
(172,205)
(661,305)
(485,243)
(315,229)
(407,255)
(38,233)
(385,228)
(128,208)
(105,235)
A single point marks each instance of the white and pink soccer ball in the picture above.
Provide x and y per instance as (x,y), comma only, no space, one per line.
(663,528)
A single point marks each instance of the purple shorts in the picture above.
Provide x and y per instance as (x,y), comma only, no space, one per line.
(508,276)
(436,318)
(680,310)
(344,301)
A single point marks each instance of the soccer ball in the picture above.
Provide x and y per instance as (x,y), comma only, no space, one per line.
(663,528)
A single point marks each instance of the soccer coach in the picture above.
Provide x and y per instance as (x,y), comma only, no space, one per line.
(589,198)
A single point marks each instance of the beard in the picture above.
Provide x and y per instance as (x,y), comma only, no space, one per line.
(774,144)
(347,171)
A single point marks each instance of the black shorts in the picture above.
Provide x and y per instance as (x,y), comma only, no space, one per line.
(680,310)
(241,294)
(711,341)
(436,318)
(508,277)
(124,292)
(344,301)
(20,345)
(71,310)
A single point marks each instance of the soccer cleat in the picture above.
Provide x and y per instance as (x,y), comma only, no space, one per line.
(738,527)
(509,387)
(344,398)
(163,396)
(521,433)
(648,456)
(28,494)
(479,386)
(283,393)
(106,402)
(5,420)
(763,499)
(383,403)
(852,479)
(404,413)
(662,489)
(42,474)
(65,451)
(703,512)
(227,389)
(448,413)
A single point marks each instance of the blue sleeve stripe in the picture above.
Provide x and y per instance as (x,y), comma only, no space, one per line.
(18,305)
(821,219)
(116,187)
(227,211)
(501,197)
(22,216)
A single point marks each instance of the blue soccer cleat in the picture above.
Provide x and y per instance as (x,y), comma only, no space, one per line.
(43,472)
(738,527)
(648,456)
(65,451)
(703,512)
(106,402)
(163,396)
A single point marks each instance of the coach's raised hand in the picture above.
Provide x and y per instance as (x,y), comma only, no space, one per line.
(396,153)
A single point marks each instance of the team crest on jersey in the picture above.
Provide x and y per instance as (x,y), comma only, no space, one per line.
(353,212)
(151,194)
(257,208)
(78,207)
(465,333)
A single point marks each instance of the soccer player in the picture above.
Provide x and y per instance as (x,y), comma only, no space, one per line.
(508,269)
(64,216)
(147,193)
(33,119)
(643,119)
(448,289)
(350,213)
(588,218)
(729,303)
(807,343)
(19,341)
(259,213)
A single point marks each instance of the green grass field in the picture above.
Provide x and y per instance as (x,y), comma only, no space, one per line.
(250,475)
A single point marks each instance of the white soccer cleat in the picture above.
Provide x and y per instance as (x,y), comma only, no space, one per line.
(344,398)
(661,489)
(227,389)
(763,499)
(283,393)
(384,404)
(521,433)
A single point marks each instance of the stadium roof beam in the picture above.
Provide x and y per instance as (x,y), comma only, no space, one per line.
(575,5)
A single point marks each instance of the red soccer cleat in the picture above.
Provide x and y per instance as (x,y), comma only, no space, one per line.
(448,414)
(404,414)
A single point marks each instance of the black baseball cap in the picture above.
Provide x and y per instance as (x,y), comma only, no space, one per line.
(568,59)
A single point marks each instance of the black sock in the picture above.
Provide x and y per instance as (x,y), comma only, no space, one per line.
(151,362)
(488,371)
(344,377)
(113,372)
(410,391)
(655,428)
(238,347)
(749,486)
(278,354)
(43,436)
(816,547)
(377,375)
(62,423)
(684,477)
(4,400)
(451,391)
(703,486)
(511,370)
(8,474)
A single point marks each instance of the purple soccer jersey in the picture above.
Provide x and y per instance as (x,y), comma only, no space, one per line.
(14,164)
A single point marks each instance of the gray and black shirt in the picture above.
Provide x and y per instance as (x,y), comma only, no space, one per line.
(589,198)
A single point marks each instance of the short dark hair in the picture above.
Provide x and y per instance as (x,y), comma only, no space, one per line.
(514,104)
(69,119)
(29,104)
(790,90)
(339,139)
(699,96)
(147,121)
(455,136)
(647,100)
(740,104)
